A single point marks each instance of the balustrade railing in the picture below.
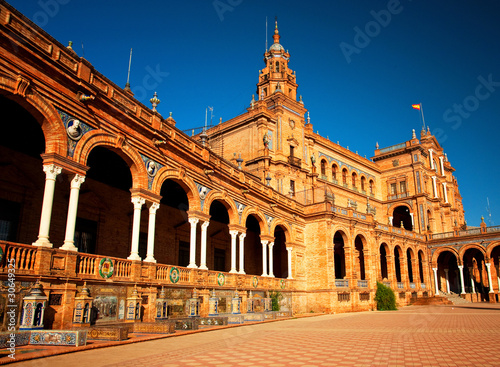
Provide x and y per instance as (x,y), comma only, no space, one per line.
(362,283)
(24,256)
(422,285)
(342,283)
(88,266)
(412,285)
(401,285)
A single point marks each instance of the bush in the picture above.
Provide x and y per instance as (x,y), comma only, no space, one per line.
(385,298)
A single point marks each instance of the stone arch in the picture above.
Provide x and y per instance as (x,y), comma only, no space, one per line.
(261,219)
(118,145)
(280,222)
(475,246)
(183,180)
(399,257)
(491,248)
(340,241)
(44,112)
(362,182)
(440,250)
(384,252)
(323,164)
(221,196)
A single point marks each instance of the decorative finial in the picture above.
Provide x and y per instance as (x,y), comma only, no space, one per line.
(300,99)
(252,102)
(154,101)
(413,135)
(268,179)
(70,44)
(376,145)
(308,118)
(170,115)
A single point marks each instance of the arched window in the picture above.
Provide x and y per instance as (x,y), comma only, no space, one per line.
(372,187)
(334,172)
(277,67)
(323,168)
(354,178)
(344,176)
(363,183)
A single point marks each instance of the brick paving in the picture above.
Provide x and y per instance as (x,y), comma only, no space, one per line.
(413,336)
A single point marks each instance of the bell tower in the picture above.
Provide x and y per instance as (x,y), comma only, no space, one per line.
(276,76)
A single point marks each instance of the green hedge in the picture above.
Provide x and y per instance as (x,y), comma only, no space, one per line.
(385,298)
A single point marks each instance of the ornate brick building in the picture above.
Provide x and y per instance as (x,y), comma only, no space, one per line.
(98,188)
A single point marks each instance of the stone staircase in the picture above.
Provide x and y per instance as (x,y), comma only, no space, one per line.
(436,300)
(454,298)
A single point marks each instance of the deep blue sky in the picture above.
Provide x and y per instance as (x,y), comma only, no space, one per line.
(208,53)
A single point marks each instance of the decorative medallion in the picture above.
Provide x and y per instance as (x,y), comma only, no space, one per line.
(151,167)
(106,268)
(292,124)
(221,279)
(255,282)
(395,163)
(74,129)
(282,283)
(174,274)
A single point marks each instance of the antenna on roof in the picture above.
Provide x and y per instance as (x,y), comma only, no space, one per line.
(266,34)
(127,85)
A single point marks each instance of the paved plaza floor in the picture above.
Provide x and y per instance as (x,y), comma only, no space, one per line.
(412,336)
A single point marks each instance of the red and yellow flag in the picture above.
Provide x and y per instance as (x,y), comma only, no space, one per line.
(416,106)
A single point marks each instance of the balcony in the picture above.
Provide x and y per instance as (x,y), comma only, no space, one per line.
(294,161)
(362,283)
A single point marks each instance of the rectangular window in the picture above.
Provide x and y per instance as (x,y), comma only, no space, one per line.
(402,187)
(86,235)
(292,151)
(143,244)
(292,187)
(183,253)
(9,220)
(418,183)
(219,259)
(393,189)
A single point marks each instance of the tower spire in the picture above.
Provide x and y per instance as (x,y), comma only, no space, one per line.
(276,36)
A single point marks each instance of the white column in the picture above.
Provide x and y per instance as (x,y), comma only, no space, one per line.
(412,220)
(289,251)
(271,273)
(445,193)
(192,246)
(431,159)
(434,187)
(264,258)
(242,253)
(51,171)
(203,252)
(447,280)
(150,256)
(441,159)
(233,234)
(435,270)
(461,268)
(69,238)
(136,227)
(490,283)
(390,221)
(472,280)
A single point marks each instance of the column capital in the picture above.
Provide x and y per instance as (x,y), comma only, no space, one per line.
(51,171)
(264,242)
(460,266)
(233,233)
(138,201)
(205,225)
(270,244)
(77,181)
(242,236)
(153,208)
(193,221)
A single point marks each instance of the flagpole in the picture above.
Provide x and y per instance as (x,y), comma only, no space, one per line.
(423,121)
